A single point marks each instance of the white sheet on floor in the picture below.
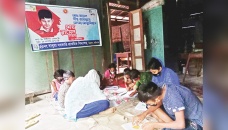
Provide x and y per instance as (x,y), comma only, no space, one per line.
(129,126)
(111,88)
(141,106)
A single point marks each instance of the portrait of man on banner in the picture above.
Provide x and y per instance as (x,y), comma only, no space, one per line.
(54,27)
(43,21)
(46,21)
(48,27)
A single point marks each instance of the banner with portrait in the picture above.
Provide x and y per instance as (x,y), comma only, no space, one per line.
(52,27)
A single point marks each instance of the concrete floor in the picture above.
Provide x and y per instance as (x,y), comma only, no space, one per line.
(194,83)
(50,119)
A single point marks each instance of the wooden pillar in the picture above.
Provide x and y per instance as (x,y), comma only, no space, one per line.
(137,3)
(55,58)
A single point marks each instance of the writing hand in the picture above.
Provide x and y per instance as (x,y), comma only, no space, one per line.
(148,126)
(138,119)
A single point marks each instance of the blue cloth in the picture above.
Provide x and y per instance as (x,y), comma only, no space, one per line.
(181,98)
(190,125)
(56,97)
(93,108)
(167,76)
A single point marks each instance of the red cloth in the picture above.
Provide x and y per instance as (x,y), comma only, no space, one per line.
(116,35)
(121,83)
(125,29)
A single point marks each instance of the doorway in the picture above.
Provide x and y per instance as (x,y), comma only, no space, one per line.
(126,37)
(120,46)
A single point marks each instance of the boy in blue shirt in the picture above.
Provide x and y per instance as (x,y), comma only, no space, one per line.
(180,104)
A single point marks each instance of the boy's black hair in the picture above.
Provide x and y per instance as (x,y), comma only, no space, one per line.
(112,65)
(149,91)
(134,73)
(58,73)
(127,71)
(100,75)
(103,81)
(69,73)
(44,13)
(154,64)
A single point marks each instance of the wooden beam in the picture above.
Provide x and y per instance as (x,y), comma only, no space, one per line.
(116,8)
(120,13)
(72,59)
(47,67)
(94,57)
(113,10)
(55,58)
(110,30)
(126,2)
(42,92)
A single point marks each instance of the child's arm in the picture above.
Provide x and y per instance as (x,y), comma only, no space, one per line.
(179,123)
(107,74)
(116,78)
(133,93)
(54,86)
(135,87)
(128,86)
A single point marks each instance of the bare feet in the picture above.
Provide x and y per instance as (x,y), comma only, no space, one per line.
(108,111)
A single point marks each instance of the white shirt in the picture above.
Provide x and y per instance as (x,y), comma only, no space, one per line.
(45,30)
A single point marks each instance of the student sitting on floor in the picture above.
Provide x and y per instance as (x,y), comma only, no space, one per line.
(56,83)
(161,74)
(84,97)
(127,80)
(110,74)
(69,78)
(180,104)
(138,79)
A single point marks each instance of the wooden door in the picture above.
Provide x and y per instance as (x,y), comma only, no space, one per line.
(137,39)
(155,37)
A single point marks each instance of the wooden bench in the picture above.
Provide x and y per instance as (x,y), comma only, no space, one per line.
(123,56)
(193,56)
(29,94)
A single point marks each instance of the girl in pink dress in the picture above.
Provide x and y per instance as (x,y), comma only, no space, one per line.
(56,83)
(110,74)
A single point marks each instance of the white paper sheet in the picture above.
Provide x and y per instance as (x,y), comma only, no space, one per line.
(111,87)
(121,90)
(127,95)
(141,106)
(129,126)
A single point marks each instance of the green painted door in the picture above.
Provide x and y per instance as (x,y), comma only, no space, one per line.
(154,33)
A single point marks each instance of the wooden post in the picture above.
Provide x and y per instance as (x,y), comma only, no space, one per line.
(55,58)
